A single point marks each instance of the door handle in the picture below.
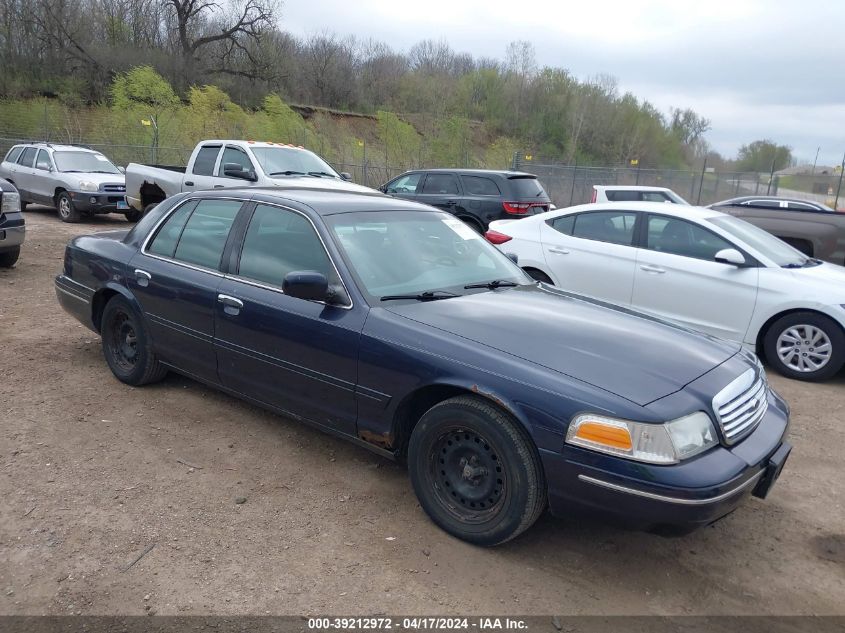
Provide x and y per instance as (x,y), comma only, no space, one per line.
(189,183)
(218,186)
(559,251)
(142,277)
(652,269)
(231,305)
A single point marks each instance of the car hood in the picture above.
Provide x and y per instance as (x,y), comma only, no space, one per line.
(629,354)
(825,280)
(309,182)
(99,179)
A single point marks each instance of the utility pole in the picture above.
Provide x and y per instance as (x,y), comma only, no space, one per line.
(771,177)
(816,160)
(839,188)
(701,185)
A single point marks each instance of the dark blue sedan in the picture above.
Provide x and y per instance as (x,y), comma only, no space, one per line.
(395,326)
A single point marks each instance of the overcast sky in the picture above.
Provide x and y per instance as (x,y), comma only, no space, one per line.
(756,68)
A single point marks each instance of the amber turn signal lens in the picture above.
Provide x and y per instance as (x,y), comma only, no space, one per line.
(613,436)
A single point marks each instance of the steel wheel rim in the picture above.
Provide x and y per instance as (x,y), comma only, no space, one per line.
(804,348)
(123,342)
(64,207)
(467,475)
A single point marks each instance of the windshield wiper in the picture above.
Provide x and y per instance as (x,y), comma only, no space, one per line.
(320,174)
(492,285)
(810,261)
(289,172)
(428,295)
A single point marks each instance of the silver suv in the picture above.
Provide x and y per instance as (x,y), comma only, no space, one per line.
(76,180)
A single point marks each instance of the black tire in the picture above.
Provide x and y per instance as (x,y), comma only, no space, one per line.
(8,258)
(127,346)
(23,205)
(538,275)
(134,215)
(809,348)
(475,471)
(67,212)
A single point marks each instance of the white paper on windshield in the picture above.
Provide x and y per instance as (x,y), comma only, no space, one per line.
(461,229)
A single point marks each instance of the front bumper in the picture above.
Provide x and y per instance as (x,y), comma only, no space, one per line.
(672,499)
(11,237)
(99,201)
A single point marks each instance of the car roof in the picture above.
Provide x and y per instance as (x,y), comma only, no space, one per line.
(323,201)
(766,198)
(222,141)
(58,146)
(507,173)
(630,188)
(663,208)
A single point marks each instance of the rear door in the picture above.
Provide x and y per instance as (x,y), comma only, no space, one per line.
(593,253)
(22,173)
(201,176)
(295,355)
(677,278)
(175,278)
(43,181)
(482,197)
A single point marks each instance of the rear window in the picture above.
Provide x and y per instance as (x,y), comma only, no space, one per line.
(527,187)
(204,162)
(13,154)
(480,186)
(623,196)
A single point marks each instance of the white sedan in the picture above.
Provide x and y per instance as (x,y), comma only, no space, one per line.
(697,267)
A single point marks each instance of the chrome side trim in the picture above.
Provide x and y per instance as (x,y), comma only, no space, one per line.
(70,294)
(680,501)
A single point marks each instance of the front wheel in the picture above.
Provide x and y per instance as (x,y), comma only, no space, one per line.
(127,346)
(67,212)
(475,471)
(8,259)
(134,215)
(805,346)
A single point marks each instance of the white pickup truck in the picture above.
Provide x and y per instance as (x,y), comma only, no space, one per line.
(220,164)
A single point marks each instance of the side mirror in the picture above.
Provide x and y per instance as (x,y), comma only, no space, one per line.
(306,284)
(234,170)
(513,257)
(730,256)
(346,175)
(383,188)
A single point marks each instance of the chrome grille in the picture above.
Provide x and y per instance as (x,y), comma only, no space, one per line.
(741,405)
(116,188)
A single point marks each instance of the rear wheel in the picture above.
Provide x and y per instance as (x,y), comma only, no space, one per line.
(127,346)
(8,258)
(475,471)
(806,346)
(67,212)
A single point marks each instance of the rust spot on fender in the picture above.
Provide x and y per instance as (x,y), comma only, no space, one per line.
(489,396)
(382,440)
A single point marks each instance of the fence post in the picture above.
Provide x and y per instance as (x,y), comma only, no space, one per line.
(701,185)
(515,161)
(574,175)
(839,188)
(771,176)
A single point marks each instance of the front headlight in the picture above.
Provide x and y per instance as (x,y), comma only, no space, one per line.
(666,443)
(87,185)
(11,202)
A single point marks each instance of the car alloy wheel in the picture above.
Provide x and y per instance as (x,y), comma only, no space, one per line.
(804,348)
(64,207)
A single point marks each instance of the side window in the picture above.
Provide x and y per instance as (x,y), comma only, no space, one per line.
(618,195)
(279,241)
(204,162)
(655,196)
(164,243)
(43,161)
(563,224)
(763,204)
(480,186)
(404,184)
(616,227)
(679,237)
(800,206)
(441,183)
(205,232)
(27,156)
(13,154)
(234,155)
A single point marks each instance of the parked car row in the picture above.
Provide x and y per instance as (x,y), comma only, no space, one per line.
(396,326)
(12,225)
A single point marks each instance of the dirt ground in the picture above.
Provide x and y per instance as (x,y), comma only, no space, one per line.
(94,473)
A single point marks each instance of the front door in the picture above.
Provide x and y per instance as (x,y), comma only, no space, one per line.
(175,278)
(440,190)
(592,254)
(298,356)
(677,278)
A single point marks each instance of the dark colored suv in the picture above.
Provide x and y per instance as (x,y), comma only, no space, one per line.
(12,229)
(476,196)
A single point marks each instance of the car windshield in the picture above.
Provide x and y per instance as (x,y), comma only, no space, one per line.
(86,162)
(411,253)
(765,243)
(281,161)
